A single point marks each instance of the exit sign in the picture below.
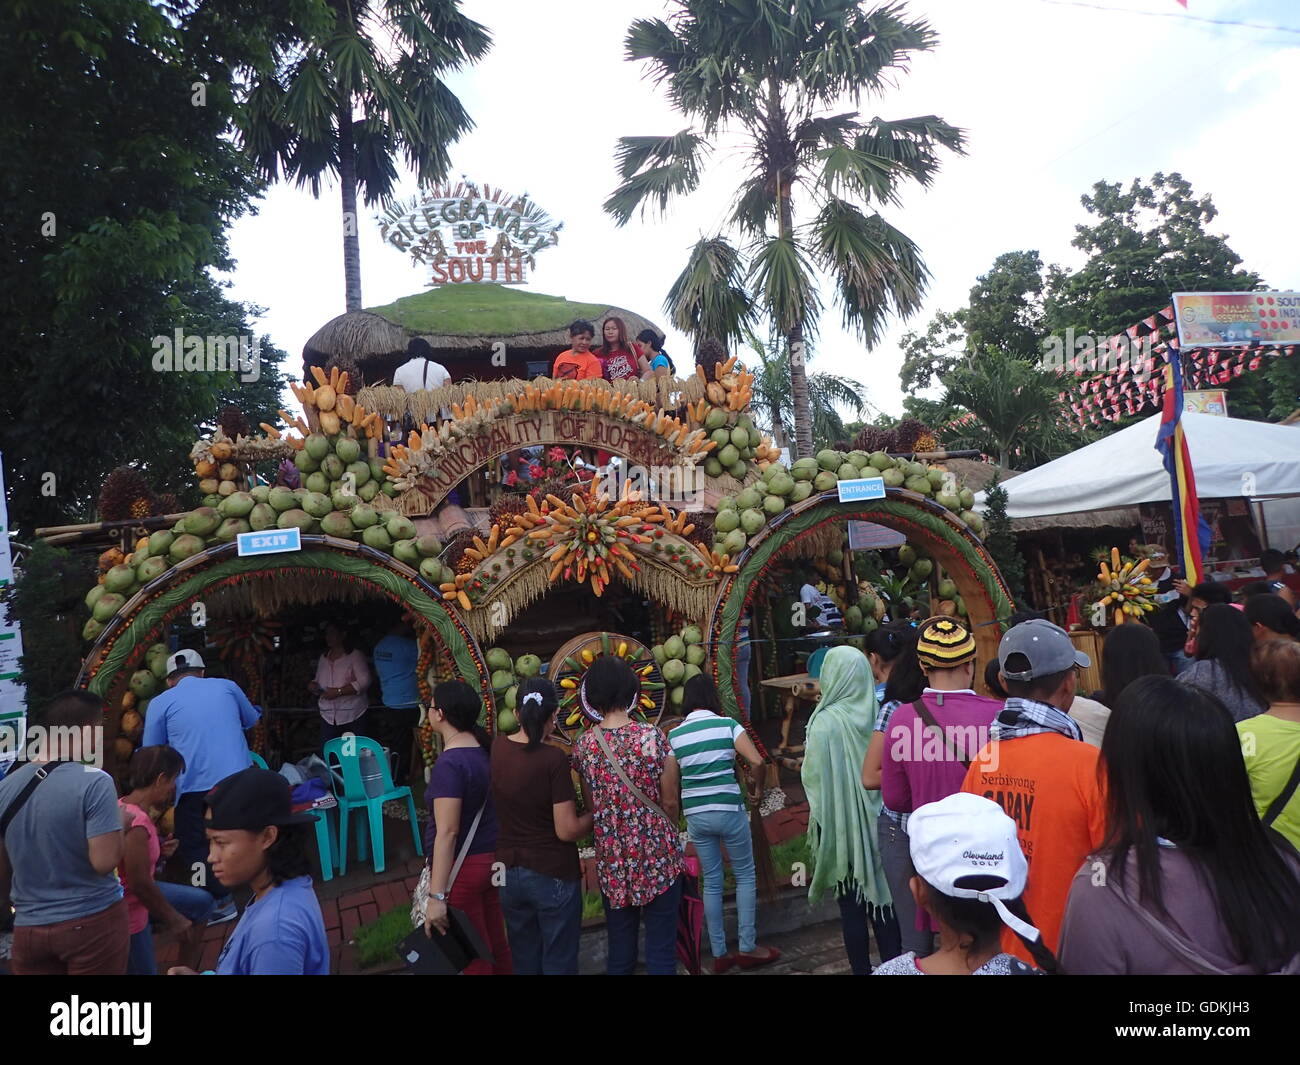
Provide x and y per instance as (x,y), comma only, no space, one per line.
(269,542)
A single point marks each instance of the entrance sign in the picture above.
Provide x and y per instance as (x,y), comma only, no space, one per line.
(1236,319)
(466,234)
(269,542)
(861,488)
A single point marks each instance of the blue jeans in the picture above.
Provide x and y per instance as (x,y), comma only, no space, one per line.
(543,922)
(192,902)
(623,924)
(710,832)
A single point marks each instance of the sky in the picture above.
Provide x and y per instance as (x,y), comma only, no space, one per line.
(1053,96)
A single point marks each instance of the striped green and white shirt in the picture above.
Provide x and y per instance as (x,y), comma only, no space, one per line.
(704,745)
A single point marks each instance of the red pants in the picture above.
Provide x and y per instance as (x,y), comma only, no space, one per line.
(84,946)
(474,895)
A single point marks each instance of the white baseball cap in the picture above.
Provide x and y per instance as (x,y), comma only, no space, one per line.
(965,847)
(183,660)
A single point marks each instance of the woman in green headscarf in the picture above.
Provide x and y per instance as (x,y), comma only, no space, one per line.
(842,813)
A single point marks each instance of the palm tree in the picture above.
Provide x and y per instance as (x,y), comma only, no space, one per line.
(709,300)
(770,72)
(355,83)
(774,405)
(1013,410)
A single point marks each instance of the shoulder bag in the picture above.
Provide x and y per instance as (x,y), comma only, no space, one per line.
(1276,807)
(927,718)
(640,795)
(20,800)
(420,900)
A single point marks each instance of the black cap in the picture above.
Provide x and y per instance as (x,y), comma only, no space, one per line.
(252,799)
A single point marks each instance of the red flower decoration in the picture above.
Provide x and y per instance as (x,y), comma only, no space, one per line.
(535,471)
(512,478)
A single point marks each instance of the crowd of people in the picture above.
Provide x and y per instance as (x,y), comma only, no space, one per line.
(1151,827)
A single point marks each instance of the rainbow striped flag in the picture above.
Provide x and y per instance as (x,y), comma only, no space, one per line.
(1171,442)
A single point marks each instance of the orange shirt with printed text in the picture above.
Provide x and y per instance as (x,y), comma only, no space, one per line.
(570,365)
(1048,784)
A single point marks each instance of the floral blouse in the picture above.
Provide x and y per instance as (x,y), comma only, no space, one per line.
(638,853)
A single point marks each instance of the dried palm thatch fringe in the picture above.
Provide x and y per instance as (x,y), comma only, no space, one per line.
(268,598)
(426,405)
(525,586)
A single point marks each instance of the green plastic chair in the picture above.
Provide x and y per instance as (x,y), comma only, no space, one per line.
(324,837)
(354,797)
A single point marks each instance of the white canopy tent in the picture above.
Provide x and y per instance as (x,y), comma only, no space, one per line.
(1231,458)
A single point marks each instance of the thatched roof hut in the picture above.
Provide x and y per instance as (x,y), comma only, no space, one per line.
(461,323)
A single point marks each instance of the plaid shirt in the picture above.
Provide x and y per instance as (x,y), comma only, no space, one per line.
(1027,717)
(882,726)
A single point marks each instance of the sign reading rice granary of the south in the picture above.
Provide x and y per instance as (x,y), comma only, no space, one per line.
(592,429)
(466,234)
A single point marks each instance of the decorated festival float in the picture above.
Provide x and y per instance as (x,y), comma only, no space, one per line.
(525,526)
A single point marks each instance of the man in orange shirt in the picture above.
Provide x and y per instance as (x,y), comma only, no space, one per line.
(578,363)
(1038,769)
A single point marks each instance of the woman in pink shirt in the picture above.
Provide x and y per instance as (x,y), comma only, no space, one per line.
(177,907)
(342,682)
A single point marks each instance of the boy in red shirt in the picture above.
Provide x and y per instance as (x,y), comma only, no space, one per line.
(578,363)
(1038,769)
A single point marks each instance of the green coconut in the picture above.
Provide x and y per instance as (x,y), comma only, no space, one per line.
(692,670)
(721,437)
(773,505)
(677,696)
(674,647)
(848,472)
(907,555)
(400,527)
(948,500)
(974,520)
(502,678)
(144,684)
(740,437)
(262,516)
(230,528)
(202,522)
(922,570)
(119,579)
(728,455)
(734,542)
(295,519)
(376,536)
(919,485)
(749,499)
(359,470)
(331,468)
(867,604)
(712,467)
(347,449)
(317,482)
(281,499)
(967,498)
(498,658)
(431,570)
(716,418)
(801,491)
(304,461)
(782,484)
(658,653)
(860,459)
(835,556)
(947,588)
(739,469)
(691,635)
(825,481)
(184,546)
(960,604)
(93,596)
(428,546)
(337,523)
(368,491)
(363,517)
(881,461)
(751,521)
(405,551)
(726,520)
(377,472)
(156,661)
(108,605)
(91,629)
(828,459)
(160,542)
(237,505)
(893,477)
(937,478)
(674,671)
(528,666)
(696,654)
(343,500)
(317,446)
(261,493)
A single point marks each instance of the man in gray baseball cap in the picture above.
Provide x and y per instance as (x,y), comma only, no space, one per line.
(1039,771)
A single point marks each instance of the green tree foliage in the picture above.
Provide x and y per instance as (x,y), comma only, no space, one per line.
(47,598)
(772,74)
(774,406)
(1143,243)
(119,179)
(1001,542)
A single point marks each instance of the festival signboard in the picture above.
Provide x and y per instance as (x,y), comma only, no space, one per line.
(1236,319)
(467,234)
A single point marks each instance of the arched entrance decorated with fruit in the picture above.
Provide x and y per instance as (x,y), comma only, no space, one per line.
(945,536)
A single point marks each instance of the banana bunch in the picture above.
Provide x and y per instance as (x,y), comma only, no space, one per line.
(1126,587)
